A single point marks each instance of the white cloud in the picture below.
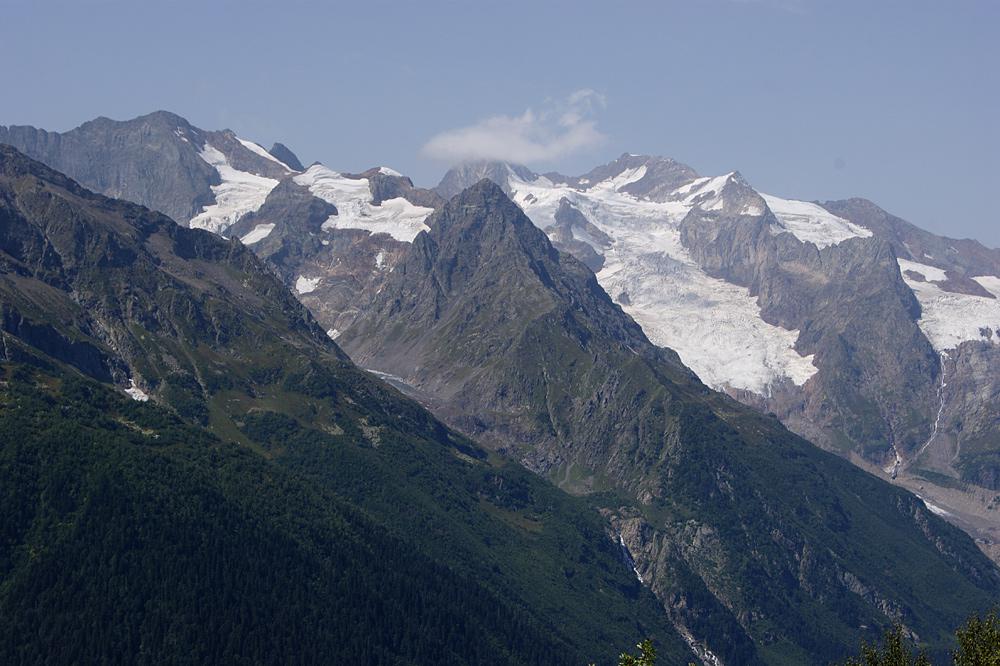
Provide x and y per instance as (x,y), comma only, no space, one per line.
(559,129)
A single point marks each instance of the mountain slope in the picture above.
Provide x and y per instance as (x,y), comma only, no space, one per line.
(285,155)
(866,335)
(846,300)
(956,284)
(333,237)
(132,537)
(200,327)
(761,547)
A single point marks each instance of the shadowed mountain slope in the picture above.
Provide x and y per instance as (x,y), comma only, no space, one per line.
(761,547)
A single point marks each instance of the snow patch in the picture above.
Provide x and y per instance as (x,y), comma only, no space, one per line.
(135,392)
(930,273)
(259,150)
(626,177)
(239,193)
(306,285)
(706,193)
(990,283)
(380,260)
(391,379)
(352,196)
(386,171)
(948,319)
(257,234)
(934,508)
(811,223)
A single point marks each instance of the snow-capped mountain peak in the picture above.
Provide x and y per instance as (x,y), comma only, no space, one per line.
(634,243)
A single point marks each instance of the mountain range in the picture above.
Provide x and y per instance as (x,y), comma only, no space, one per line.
(861,332)
(866,335)
(654,346)
(194,471)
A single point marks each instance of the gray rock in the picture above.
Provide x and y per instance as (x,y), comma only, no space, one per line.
(152,160)
(875,388)
(285,154)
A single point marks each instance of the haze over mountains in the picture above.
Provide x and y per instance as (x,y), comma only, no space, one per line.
(586,327)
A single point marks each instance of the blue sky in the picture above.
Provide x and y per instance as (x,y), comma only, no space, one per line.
(896,101)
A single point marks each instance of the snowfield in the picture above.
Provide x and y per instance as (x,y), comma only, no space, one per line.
(948,319)
(811,223)
(257,234)
(239,193)
(990,283)
(352,196)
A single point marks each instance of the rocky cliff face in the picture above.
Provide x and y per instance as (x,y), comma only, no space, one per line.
(738,526)
(153,160)
(955,284)
(967,421)
(848,301)
(285,155)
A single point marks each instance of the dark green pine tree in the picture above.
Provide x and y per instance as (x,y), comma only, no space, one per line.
(979,641)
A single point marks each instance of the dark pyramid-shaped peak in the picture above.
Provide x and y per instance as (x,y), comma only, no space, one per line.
(480,207)
(285,154)
(479,244)
(484,267)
